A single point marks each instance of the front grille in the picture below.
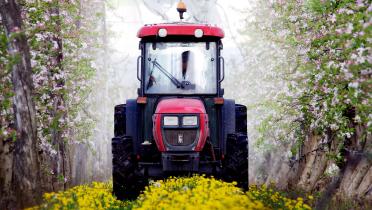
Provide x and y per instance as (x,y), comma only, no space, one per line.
(188,136)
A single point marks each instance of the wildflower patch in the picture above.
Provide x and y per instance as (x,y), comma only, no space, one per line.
(196,192)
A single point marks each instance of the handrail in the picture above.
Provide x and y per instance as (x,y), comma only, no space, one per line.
(222,68)
(138,68)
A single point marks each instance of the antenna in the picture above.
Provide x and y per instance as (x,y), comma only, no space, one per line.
(181,8)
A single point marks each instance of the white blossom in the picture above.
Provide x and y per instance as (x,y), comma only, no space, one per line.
(354,84)
(357,119)
(349,28)
(333,18)
(334,127)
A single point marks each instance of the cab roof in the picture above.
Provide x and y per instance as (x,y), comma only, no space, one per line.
(180,29)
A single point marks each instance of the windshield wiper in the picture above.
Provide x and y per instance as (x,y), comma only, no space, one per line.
(174,80)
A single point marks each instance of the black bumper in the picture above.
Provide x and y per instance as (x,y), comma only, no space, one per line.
(179,162)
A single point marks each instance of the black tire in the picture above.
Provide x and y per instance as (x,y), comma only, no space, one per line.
(128,182)
(236,160)
(120,120)
(240,119)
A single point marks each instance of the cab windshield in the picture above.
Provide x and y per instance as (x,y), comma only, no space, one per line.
(180,68)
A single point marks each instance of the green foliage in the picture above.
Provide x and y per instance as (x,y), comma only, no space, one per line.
(6,88)
(61,41)
(62,73)
(329,91)
(318,6)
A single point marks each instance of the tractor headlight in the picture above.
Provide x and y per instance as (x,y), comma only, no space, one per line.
(170,121)
(162,32)
(190,121)
(198,33)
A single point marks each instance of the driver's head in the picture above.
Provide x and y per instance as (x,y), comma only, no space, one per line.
(185,59)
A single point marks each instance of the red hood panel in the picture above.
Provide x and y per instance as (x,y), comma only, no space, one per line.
(180,105)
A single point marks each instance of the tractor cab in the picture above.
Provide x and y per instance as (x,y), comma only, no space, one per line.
(180,59)
(179,124)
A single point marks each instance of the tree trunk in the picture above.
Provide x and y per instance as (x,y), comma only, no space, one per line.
(312,164)
(25,167)
(6,160)
(357,180)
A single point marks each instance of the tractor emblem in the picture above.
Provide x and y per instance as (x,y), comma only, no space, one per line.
(180,138)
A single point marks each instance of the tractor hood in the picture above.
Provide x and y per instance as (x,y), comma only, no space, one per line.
(180,105)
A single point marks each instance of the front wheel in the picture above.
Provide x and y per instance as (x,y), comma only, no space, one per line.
(127,180)
(236,160)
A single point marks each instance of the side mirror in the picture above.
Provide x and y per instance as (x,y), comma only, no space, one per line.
(220,45)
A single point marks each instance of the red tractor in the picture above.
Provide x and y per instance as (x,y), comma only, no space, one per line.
(180,124)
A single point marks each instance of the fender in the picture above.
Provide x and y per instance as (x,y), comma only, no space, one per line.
(228,121)
(132,126)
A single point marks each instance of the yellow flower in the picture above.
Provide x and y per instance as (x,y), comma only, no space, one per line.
(188,193)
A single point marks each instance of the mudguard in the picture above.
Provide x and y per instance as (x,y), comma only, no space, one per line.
(228,121)
(119,120)
(132,126)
